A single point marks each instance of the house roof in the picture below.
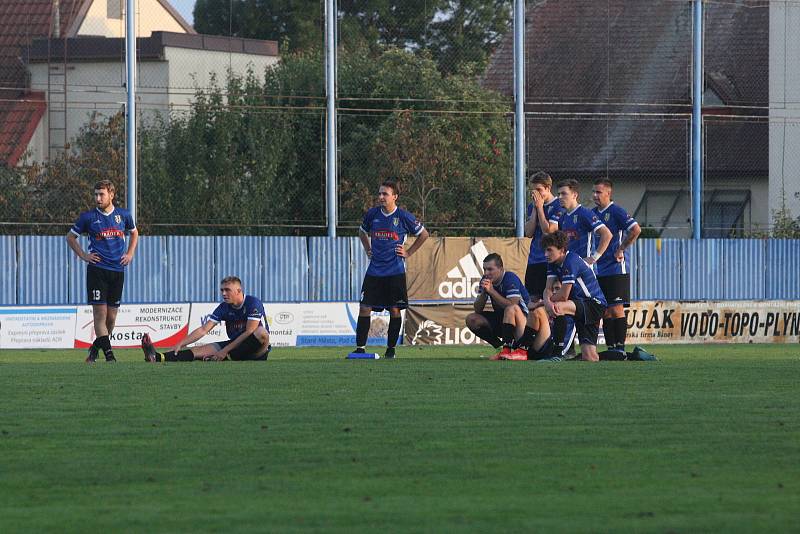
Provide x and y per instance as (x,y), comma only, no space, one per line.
(19,120)
(22,21)
(108,48)
(608,86)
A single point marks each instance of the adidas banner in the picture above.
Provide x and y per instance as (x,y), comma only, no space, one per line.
(451,268)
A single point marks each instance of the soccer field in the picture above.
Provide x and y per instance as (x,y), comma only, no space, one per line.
(706,439)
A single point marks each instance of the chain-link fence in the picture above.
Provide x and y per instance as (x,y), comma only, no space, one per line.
(231,111)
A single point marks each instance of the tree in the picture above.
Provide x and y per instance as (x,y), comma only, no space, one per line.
(459,34)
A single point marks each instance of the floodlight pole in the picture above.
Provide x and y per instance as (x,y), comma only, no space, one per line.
(519,117)
(697,121)
(331,143)
(130,106)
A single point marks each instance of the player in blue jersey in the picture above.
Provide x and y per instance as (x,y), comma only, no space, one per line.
(383,234)
(613,267)
(580,296)
(108,255)
(580,224)
(505,325)
(544,213)
(248,331)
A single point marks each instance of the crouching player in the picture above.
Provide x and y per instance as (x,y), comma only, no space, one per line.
(505,324)
(580,296)
(248,336)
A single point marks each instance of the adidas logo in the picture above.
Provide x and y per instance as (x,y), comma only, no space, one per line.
(467,275)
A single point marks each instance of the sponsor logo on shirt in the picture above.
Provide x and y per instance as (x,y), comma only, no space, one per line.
(110,233)
(385,235)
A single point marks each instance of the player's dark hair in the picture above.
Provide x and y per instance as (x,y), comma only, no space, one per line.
(604,181)
(392,185)
(571,183)
(540,178)
(231,280)
(108,185)
(495,257)
(557,239)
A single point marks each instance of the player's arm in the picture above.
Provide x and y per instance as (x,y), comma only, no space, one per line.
(605,239)
(530,223)
(421,237)
(72,242)
(195,335)
(365,241)
(562,295)
(631,235)
(547,295)
(134,240)
(483,296)
(249,329)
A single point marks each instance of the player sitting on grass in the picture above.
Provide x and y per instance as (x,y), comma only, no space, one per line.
(248,337)
(579,297)
(506,322)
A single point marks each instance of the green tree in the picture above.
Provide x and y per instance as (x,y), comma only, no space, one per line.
(459,34)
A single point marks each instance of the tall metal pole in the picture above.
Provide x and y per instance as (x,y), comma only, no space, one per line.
(331,144)
(697,121)
(130,107)
(519,117)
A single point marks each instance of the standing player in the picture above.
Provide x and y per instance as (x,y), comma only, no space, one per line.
(613,267)
(579,297)
(106,226)
(248,337)
(580,224)
(543,215)
(383,233)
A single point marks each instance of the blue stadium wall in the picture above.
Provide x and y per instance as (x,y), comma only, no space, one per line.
(41,270)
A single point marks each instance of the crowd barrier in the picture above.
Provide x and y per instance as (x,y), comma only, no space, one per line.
(41,270)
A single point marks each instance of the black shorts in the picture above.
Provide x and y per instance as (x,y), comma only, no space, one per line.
(104,286)
(588,313)
(384,292)
(616,288)
(495,318)
(247,351)
(536,279)
(545,352)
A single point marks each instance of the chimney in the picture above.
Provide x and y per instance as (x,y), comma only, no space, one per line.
(57,19)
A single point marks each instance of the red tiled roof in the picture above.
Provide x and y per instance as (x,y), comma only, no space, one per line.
(18,121)
(20,22)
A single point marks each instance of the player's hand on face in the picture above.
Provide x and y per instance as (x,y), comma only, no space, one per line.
(401,251)
(486,284)
(126,259)
(619,255)
(538,199)
(94,257)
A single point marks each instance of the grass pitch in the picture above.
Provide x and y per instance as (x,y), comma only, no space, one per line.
(707,439)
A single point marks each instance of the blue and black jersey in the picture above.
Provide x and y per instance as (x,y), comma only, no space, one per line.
(386,231)
(511,286)
(579,225)
(618,222)
(106,235)
(573,270)
(552,210)
(236,318)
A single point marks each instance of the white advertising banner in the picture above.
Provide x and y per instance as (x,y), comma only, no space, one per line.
(37,328)
(166,324)
(303,324)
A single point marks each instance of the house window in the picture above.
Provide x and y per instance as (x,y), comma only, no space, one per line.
(114,9)
(725,212)
(661,210)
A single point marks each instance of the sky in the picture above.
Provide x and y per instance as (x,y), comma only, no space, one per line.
(184,7)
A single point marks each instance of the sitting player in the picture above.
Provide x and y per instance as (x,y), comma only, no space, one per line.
(580,296)
(543,351)
(506,323)
(248,337)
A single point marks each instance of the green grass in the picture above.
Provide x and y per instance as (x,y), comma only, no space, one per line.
(706,439)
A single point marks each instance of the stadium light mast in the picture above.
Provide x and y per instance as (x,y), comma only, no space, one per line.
(519,117)
(130,105)
(331,145)
(697,120)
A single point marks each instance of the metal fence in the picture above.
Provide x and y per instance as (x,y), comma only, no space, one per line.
(42,270)
(231,112)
